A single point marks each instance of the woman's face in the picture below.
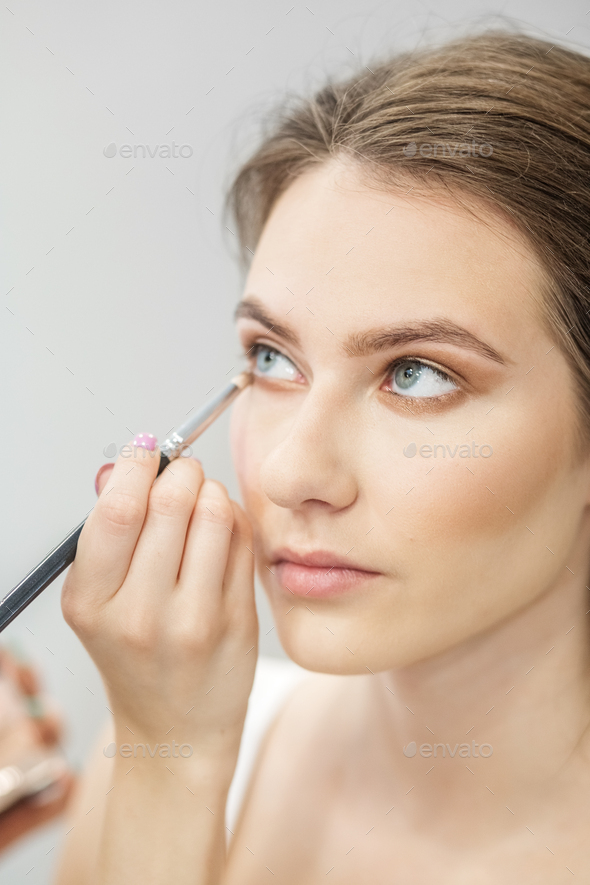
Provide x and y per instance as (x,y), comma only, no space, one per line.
(386,326)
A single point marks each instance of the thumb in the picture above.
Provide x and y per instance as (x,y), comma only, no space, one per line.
(102,477)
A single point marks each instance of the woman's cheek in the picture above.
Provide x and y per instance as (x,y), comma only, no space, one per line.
(250,438)
(239,442)
(449,498)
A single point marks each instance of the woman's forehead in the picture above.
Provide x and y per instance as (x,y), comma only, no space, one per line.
(365,311)
(330,229)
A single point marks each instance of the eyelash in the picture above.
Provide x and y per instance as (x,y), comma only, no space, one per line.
(251,354)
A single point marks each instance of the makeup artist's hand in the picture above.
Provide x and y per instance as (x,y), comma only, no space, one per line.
(161,593)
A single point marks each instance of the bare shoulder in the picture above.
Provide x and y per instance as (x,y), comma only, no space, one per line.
(288,778)
(310,708)
(85,815)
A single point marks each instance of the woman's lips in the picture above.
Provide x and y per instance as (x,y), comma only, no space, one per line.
(318,581)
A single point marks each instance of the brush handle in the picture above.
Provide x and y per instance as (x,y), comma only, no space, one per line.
(56,561)
(64,554)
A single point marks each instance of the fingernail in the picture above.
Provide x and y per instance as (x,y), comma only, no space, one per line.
(99,473)
(145,441)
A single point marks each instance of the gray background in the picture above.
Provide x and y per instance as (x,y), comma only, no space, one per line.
(118,282)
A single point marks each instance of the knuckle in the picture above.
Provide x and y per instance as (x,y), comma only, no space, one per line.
(139,632)
(120,510)
(77,615)
(196,634)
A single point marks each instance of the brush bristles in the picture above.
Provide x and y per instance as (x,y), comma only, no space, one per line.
(242,380)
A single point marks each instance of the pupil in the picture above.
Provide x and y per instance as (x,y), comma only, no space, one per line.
(266,358)
(407,376)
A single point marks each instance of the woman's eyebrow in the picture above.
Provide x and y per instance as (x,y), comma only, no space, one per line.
(364,344)
(439,330)
(251,308)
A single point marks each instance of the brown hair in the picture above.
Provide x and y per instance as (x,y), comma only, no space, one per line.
(523,101)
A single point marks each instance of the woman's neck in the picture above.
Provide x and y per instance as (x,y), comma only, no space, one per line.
(510,709)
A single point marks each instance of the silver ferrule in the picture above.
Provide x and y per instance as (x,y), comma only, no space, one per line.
(172,447)
(184,435)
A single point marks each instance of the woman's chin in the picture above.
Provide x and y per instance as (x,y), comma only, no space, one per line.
(315,647)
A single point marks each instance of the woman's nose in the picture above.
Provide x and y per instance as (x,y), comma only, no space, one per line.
(314,462)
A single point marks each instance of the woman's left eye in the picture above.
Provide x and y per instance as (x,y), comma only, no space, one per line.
(272,363)
(411,378)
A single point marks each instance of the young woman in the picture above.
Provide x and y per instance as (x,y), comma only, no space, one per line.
(414,463)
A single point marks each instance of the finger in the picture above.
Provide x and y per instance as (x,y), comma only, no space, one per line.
(107,541)
(158,553)
(238,581)
(206,550)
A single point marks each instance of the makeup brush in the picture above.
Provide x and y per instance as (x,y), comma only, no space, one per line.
(64,554)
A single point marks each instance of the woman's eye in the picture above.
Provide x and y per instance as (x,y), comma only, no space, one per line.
(272,363)
(412,378)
